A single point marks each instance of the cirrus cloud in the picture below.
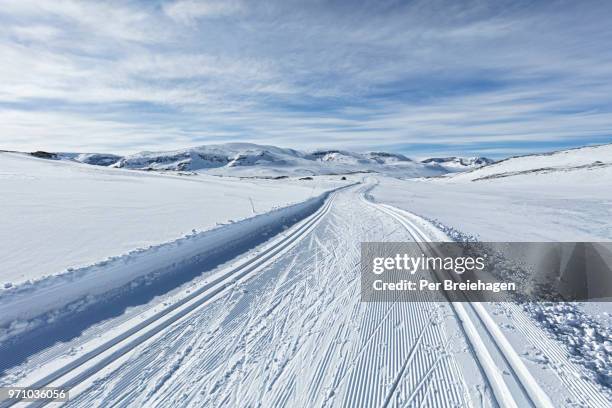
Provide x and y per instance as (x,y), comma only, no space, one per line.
(424,76)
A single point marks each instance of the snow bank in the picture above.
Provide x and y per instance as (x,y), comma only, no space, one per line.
(25,306)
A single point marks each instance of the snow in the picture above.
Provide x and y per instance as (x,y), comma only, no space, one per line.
(277,320)
(31,304)
(561,196)
(456,164)
(60,215)
(560,161)
(251,160)
(293,332)
(589,342)
(571,203)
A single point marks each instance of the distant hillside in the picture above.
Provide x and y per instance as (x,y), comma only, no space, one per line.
(582,158)
(253,160)
(245,159)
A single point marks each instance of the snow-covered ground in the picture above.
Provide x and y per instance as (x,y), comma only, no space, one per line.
(57,215)
(562,196)
(565,196)
(562,161)
(265,309)
(283,325)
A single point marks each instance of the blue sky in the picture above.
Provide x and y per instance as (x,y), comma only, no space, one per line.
(422,77)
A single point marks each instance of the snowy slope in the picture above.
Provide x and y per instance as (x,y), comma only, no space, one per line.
(563,160)
(59,214)
(249,160)
(559,196)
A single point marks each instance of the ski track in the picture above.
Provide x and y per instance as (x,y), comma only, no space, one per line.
(296,334)
(578,389)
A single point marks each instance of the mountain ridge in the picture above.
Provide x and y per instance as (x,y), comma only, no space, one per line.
(249,159)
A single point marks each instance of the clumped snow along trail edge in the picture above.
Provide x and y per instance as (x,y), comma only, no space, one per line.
(70,373)
(30,305)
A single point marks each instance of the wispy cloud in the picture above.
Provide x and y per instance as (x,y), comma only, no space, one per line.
(437,75)
(188,11)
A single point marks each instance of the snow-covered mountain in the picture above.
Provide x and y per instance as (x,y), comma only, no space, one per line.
(253,160)
(96,159)
(246,159)
(455,164)
(388,158)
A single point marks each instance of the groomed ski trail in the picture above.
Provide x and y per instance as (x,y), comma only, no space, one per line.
(284,326)
(296,334)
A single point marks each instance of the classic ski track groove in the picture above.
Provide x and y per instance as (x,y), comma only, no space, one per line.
(72,374)
(483,324)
